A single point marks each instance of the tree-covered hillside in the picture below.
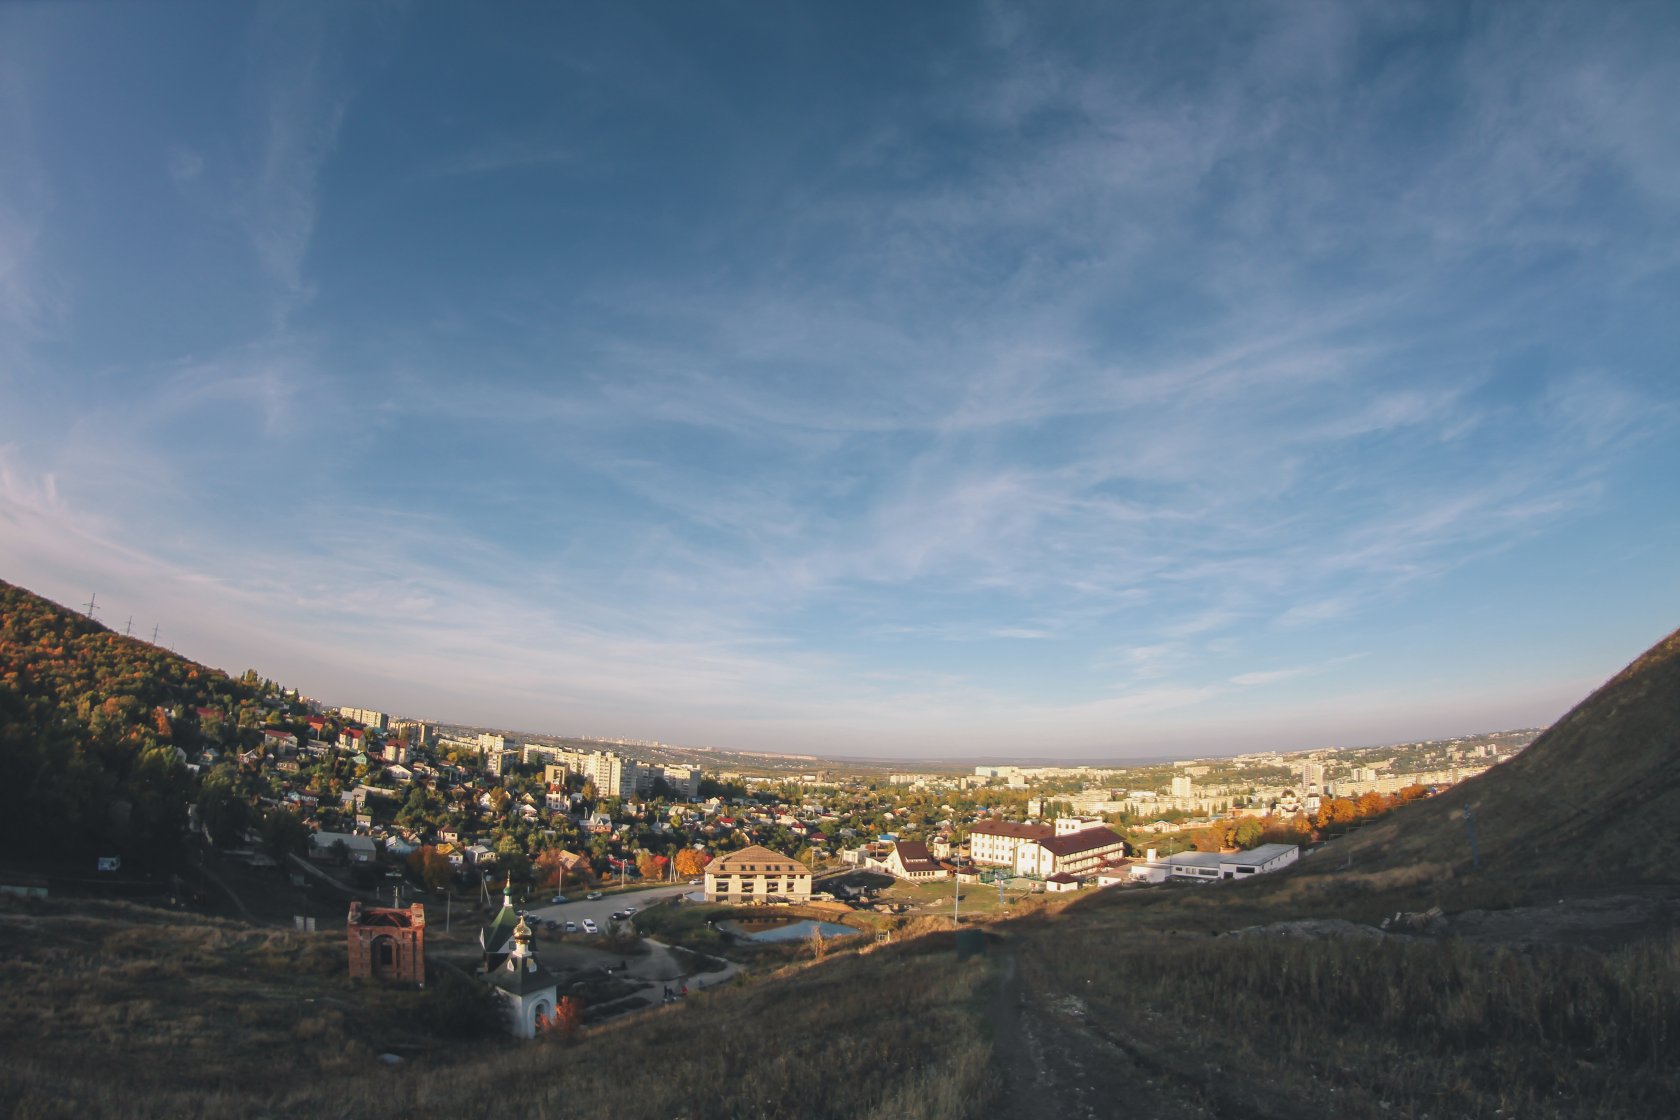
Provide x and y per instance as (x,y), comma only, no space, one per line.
(96,730)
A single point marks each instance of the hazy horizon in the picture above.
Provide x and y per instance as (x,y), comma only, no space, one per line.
(1092,381)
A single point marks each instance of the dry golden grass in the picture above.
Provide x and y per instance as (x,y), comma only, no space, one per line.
(1395,1027)
(201,1018)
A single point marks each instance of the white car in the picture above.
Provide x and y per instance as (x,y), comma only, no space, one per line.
(589,926)
(629,910)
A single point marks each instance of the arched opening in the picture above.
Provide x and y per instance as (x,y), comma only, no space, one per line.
(384,956)
(540,1011)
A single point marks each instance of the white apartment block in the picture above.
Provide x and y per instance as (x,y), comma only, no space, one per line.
(367,717)
(684,781)
(491,741)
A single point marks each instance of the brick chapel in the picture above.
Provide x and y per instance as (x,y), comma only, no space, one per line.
(388,944)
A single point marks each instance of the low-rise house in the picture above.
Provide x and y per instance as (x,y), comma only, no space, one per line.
(359,849)
(1258,861)
(1211,866)
(910,859)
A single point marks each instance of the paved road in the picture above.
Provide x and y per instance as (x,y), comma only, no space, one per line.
(581,908)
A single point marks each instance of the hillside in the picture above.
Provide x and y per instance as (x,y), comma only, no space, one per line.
(1592,802)
(94,727)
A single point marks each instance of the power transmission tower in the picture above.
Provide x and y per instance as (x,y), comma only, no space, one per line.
(128,628)
(92,599)
(154,634)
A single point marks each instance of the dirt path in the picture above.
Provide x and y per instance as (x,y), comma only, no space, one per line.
(1058,1065)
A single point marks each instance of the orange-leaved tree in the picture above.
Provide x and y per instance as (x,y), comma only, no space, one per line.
(691,862)
(564,1020)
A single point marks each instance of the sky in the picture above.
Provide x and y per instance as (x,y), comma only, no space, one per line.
(931,380)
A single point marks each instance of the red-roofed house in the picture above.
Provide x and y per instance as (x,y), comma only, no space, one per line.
(910,859)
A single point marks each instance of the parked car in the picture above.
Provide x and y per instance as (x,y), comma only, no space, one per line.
(618,915)
(571,927)
(593,895)
(560,898)
(694,882)
(589,926)
(629,910)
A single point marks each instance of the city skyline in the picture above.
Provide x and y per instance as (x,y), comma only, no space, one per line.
(943,382)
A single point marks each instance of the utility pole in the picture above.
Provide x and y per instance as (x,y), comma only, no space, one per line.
(154,634)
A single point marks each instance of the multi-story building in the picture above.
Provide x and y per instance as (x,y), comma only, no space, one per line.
(996,843)
(1071,853)
(364,716)
(1183,786)
(493,741)
(684,781)
(538,754)
(757,874)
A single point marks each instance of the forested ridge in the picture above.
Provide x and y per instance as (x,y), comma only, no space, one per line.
(96,730)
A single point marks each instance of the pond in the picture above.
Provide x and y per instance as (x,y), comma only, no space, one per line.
(785,931)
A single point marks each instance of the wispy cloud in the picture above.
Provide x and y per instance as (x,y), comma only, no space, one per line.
(1099,389)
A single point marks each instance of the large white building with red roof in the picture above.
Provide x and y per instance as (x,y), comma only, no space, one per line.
(998,843)
(1072,853)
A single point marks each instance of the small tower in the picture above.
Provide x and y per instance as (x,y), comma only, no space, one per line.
(525,986)
(496,938)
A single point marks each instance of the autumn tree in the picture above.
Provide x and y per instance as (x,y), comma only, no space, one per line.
(551,867)
(691,862)
(431,866)
(564,1020)
(651,865)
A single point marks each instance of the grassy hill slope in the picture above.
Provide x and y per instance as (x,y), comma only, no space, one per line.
(185,1017)
(1592,802)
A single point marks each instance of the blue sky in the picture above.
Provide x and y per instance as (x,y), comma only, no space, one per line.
(1099,381)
